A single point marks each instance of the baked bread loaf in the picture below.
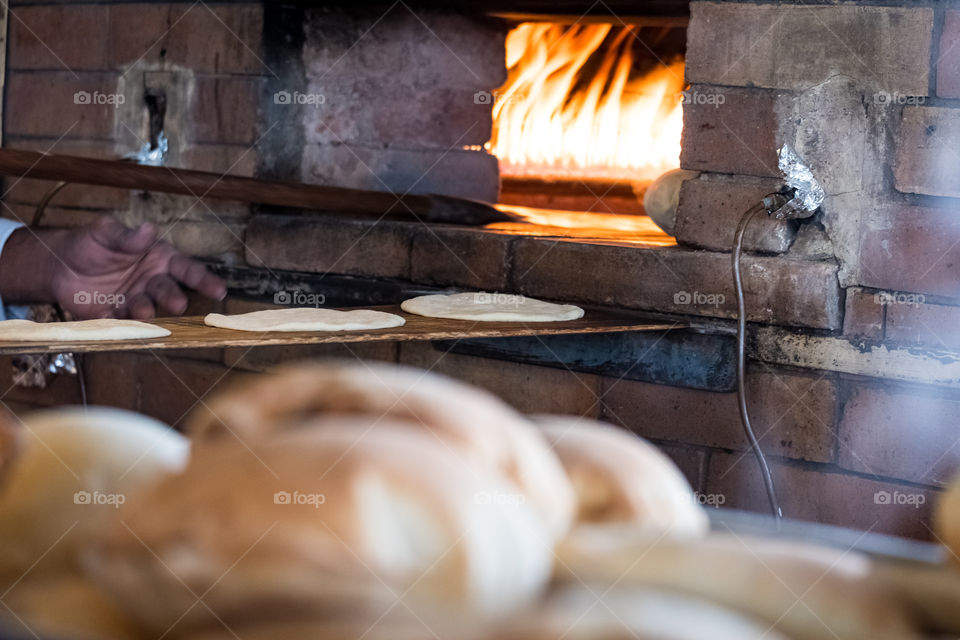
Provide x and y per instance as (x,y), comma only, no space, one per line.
(592,612)
(344,514)
(75,467)
(473,424)
(619,477)
(804,591)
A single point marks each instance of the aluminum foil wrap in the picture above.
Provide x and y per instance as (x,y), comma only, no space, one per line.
(148,156)
(809,194)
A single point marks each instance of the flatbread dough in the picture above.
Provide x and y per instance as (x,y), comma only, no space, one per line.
(106,329)
(490,307)
(305,319)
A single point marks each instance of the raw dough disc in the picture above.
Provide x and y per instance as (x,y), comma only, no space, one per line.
(305,319)
(490,307)
(105,329)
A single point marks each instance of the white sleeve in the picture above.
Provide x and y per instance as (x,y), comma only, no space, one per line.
(7,227)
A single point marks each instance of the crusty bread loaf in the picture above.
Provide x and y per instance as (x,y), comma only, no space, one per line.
(603,611)
(619,477)
(805,591)
(473,424)
(75,467)
(342,514)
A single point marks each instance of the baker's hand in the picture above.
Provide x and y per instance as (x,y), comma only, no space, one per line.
(105,270)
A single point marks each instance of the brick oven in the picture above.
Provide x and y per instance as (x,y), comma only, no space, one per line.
(854,371)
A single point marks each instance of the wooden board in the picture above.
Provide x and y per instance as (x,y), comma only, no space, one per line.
(191,333)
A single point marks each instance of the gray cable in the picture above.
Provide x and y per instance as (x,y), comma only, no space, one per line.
(742,360)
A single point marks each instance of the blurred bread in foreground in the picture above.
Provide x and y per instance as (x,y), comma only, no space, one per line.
(343,514)
(74,467)
(619,477)
(475,425)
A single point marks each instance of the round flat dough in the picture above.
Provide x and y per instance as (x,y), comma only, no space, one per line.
(104,329)
(490,307)
(305,319)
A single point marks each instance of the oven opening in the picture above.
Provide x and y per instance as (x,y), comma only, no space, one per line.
(589,116)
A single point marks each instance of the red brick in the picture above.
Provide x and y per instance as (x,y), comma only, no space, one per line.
(368,111)
(461,257)
(426,48)
(926,160)
(821,494)
(863,314)
(932,325)
(737,136)
(901,435)
(792,414)
(797,46)
(171,387)
(692,462)
(948,62)
(224,38)
(225,110)
(462,173)
(44,104)
(71,37)
(710,210)
(528,388)
(780,291)
(326,244)
(914,249)
(236,160)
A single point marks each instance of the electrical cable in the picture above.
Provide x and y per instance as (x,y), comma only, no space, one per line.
(742,359)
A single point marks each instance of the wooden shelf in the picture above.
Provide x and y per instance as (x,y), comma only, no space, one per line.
(191,333)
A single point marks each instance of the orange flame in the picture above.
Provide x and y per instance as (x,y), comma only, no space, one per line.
(547,123)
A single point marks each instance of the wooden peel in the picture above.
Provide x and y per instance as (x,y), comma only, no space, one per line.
(203,184)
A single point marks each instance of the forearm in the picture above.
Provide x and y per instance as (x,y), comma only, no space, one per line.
(27,265)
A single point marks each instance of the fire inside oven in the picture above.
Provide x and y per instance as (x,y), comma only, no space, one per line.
(589,116)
